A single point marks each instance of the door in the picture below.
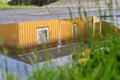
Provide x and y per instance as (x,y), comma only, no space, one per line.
(42,35)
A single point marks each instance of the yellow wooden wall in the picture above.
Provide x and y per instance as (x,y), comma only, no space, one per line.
(80,26)
(28,30)
(9,34)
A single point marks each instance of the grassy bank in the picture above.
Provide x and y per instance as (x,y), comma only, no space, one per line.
(15,7)
(4,5)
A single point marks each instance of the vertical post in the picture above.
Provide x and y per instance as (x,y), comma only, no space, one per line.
(93,26)
(100,27)
(116,29)
(59,37)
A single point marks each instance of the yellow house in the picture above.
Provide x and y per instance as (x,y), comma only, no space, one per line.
(22,31)
(104,26)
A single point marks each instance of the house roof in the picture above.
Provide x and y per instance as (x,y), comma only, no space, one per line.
(52,11)
(33,14)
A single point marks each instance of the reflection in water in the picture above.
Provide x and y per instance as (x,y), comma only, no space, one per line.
(18,68)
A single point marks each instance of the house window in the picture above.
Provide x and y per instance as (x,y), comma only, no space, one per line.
(42,35)
(74,30)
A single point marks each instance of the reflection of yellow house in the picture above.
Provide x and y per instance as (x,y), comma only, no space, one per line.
(25,29)
(25,34)
(103,27)
(29,34)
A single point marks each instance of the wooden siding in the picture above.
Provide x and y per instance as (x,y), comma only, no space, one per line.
(106,27)
(28,30)
(9,34)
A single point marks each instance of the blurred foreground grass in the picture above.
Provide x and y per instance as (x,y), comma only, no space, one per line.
(104,63)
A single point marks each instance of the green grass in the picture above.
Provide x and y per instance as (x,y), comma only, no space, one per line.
(13,7)
(6,6)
